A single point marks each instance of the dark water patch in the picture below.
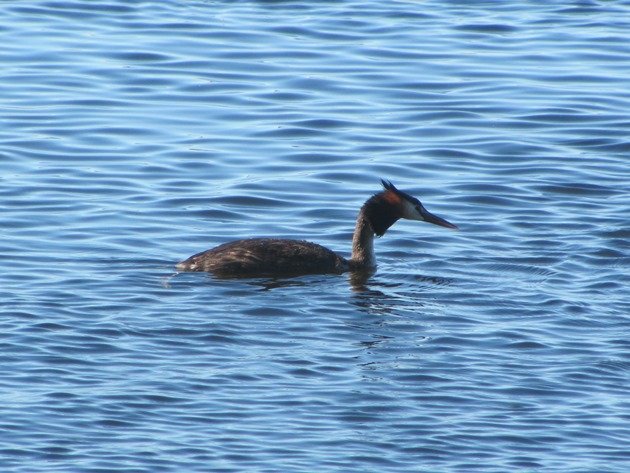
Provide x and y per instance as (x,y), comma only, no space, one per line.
(288,132)
(271,312)
(488,28)
(139,56)
(248,201)
(578,189)
(323,124)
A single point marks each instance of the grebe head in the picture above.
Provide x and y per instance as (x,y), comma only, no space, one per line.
(384,208)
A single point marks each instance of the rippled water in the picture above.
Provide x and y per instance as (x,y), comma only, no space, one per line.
(135,134)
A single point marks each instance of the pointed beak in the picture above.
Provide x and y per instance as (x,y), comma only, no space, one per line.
(435,220)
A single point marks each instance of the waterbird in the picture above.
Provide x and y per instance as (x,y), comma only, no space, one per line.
(256,257)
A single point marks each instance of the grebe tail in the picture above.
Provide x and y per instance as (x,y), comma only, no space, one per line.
(272,256)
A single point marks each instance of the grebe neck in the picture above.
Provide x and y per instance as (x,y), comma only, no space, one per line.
(377,214)
(363,244)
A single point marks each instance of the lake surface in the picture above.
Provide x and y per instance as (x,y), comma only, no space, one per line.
(134,134)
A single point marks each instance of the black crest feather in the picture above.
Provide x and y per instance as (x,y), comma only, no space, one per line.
(388,185)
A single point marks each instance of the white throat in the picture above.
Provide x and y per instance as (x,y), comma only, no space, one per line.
(410,212)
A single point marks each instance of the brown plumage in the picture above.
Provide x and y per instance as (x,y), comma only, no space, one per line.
(266,256)
(272,256)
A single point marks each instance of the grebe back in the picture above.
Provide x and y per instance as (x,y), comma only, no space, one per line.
(272,256)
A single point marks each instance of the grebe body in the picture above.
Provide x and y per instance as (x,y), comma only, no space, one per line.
(271,256)
(266,256)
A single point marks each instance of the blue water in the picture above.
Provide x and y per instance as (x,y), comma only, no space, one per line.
(134,134)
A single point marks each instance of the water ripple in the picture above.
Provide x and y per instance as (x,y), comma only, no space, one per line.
(136,134)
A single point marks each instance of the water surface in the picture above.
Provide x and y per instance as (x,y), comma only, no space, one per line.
(135,134)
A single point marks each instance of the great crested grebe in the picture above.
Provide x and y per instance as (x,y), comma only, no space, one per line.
(272,256)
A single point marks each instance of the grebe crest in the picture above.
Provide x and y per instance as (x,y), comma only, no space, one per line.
(273,256)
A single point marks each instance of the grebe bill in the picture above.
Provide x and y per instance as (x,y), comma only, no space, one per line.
(273,256)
